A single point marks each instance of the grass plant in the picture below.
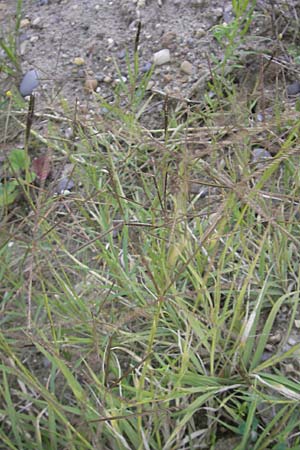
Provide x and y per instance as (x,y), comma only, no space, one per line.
(138,314)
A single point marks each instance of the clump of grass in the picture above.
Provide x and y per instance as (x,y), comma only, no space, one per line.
(152,308)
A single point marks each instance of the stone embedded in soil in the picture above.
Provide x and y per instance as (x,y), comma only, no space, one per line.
(90,84)
(78,61)
(23,48)
(297,323)
(162,57)
(259,154)
(150,85)
(146,67)
(107,79)
(168,39)
(24,23)
(37,23)
(186,67)
(293,89)
(29,82)
(168,77)
(200,32)
(121,54)
(64,186)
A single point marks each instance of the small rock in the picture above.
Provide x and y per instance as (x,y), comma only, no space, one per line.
(275,339)
(37,23)
(107,79)
(168,39)
(292,341)
(46,363)
(168,77)
(121,54)
(120,80)
(259,154)
(103,111)
(34,39)
(90,84)
(265,356)
(23,37)
(24,23)
(110,42)
(161,57)
(146,67)
(297,323)
(29,82)
(289,368)
(218,13)
(64,186)
(293,89)
(150,85)
(100,77)
(69,132)
(190,43)
(23,47)
(186,67)
(78,61)
(200,32)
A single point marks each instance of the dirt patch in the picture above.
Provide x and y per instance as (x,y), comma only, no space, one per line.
(54,34)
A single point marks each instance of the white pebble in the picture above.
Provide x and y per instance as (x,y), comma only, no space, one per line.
(161,57)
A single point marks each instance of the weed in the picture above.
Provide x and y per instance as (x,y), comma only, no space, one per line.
(139,313)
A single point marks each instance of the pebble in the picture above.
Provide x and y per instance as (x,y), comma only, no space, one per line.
(46,362)
(107,79)
(29,82)
(121,54)
(24,23)
(259,154)
(23,47)
(69,132)
(218,13)
(34,39)
(150,85)
(200,32)
(110,42)
(293,89)
(168,39)
(37,23)
(168,77)
(186,67)
(289,368)
(103,111)
(78,61)
(90,84)
(275,339)
(161,57)
(65,186)
(146,67)
(190,43)
(265,356)
(292,341)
